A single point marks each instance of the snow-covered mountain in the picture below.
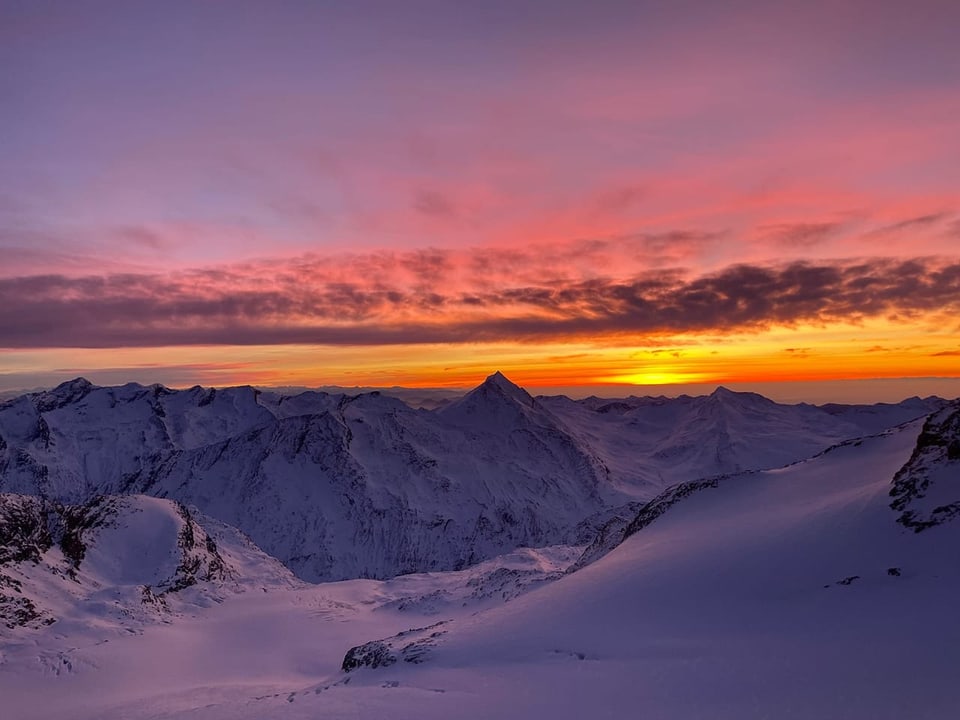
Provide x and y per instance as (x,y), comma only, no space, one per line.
(655,442)
(340,486)
(794,592)
(335,486)
(789,593)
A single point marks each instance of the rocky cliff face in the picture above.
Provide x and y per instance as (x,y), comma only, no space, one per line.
(926,491)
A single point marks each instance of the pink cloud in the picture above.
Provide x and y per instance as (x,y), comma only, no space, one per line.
(443,296)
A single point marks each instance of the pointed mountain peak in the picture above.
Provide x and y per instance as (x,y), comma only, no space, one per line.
(490,397)
(723,392)
(500,383)
(500,380)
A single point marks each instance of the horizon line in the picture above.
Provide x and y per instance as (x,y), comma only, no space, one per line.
(771,389)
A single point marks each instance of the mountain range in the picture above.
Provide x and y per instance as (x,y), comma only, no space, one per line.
(340,486)
(229,553)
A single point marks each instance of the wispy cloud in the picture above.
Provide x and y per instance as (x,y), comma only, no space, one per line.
(907,225)
(798,235)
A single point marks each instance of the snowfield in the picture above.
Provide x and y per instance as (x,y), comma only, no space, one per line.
(746,559)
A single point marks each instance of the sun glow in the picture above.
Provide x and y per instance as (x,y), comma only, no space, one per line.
(872,349)
(658,377)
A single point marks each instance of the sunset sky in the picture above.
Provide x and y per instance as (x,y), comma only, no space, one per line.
(604,196)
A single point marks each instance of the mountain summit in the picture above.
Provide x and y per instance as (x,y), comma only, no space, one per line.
(727,396)
(500,383)
(492,403)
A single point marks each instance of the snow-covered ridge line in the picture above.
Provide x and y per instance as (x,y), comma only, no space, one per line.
(935,458)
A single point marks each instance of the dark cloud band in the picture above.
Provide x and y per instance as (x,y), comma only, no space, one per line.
(299,303)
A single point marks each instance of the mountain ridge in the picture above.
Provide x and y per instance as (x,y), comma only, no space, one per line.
(339,485)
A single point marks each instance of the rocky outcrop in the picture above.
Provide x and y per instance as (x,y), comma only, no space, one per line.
(926,490)
(411,646)
(24,528)
(72,523)
(200,560)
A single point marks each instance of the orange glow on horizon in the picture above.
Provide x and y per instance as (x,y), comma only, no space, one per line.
(874,349)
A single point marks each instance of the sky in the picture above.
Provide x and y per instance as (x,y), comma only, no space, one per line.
(611,197)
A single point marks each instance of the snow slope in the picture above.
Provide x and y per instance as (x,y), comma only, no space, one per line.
(790,593)
(786,593)
(257,638)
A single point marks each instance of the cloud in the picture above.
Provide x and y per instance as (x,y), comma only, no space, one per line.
(617,255)
(433,204)
(798,235)
(143,237)
(619,199)
(440,297)
(919,222)
(914,222)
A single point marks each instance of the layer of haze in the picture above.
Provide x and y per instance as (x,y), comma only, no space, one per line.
(584,195)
